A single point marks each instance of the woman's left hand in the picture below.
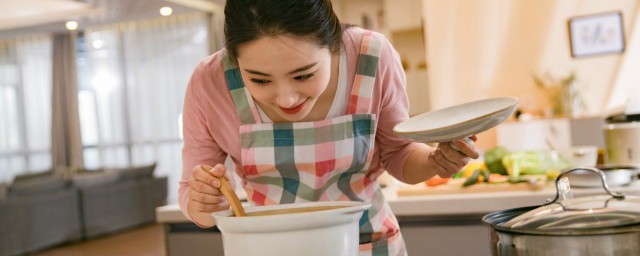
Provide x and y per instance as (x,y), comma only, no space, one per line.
(447,161)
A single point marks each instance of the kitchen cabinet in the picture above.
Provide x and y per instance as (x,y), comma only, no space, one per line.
(561,132)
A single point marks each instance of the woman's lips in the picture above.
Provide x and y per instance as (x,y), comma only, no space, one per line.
(295,109)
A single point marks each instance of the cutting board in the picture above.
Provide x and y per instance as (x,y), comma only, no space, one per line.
(423,189)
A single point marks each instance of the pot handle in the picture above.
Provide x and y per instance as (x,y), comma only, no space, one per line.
(617,195)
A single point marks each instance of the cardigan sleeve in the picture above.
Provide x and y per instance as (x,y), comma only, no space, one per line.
(199,146)
(394,108)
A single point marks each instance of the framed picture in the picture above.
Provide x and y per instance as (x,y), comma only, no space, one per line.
(596,34)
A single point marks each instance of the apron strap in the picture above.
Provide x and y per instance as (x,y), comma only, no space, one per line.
(245,107)
(363,82)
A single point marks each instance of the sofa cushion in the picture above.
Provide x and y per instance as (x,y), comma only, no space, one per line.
(33,186)
(136,172)
(90,179)
(33,175)
(3,191)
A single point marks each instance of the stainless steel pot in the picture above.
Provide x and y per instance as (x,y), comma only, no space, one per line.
(598,225)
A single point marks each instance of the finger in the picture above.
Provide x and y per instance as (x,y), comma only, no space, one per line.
(201,207)
(437,168)
(467,149)
(474,138)
(448,167)
(205,198)
(201,173)
(454,156)
(219,171)
(204,187)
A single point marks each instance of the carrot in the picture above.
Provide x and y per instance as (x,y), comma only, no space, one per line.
(436,180)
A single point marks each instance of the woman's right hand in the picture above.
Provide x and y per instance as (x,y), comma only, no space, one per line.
(204,189)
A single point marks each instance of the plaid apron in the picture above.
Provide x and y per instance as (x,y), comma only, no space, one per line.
(325,160)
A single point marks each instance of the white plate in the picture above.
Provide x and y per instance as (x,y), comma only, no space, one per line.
(457,122)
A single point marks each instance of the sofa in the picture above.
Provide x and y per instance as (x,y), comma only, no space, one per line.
(127,199)
(52,208)
(38,212)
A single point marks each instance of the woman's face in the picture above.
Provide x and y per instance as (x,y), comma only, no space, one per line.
(285,74)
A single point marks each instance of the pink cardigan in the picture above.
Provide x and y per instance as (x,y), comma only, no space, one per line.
(211,124)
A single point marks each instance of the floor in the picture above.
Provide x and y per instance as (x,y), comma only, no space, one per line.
(146,240)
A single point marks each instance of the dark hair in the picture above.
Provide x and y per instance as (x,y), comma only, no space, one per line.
(248,20)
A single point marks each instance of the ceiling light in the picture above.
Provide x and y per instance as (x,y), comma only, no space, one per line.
(71,25)
(166,11)
(97,44)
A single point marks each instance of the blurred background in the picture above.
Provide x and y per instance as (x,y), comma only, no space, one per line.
(90,88)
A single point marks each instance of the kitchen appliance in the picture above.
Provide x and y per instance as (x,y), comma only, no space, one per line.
(598,225)
(317,233)
(622,139)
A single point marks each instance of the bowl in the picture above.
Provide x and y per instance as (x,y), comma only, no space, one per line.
(615,175)
(581,156)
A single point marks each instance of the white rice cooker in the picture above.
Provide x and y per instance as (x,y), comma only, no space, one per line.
(622,138)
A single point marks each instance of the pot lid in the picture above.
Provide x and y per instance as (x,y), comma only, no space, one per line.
(623,118)
(605,211)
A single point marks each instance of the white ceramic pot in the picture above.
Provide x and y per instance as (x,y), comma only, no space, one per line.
(327,232)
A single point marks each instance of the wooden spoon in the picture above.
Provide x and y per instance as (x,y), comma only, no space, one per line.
(230,194)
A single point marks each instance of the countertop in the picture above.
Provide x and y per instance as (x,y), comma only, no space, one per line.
(448,205)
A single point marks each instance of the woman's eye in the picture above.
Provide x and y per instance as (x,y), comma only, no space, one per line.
(259,81)
(303,77)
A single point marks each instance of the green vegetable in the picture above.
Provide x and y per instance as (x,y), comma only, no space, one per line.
(473,179)
(486,175)
(493,159)
(525,162)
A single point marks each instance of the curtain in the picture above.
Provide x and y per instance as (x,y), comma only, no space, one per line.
(624,96)
(66,145)
(132,88)
(25,105)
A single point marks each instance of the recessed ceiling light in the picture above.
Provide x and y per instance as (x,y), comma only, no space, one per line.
(166,11)
(71,25)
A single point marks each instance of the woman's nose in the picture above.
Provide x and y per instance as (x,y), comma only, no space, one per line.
(287,97)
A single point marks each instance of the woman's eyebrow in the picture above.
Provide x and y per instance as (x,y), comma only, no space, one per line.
(291,72)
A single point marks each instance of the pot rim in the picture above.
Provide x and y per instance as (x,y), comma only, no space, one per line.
(351,213)
(349,207)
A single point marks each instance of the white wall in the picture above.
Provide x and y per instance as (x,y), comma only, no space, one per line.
(478,49)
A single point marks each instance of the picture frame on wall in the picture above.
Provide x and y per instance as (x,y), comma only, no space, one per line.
(596,34)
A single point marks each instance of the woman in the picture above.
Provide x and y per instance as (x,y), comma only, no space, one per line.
(305,109)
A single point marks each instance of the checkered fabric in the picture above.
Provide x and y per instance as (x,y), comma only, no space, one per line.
(323,160)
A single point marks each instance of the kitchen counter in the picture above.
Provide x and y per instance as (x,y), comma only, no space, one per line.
(456,204)
(482,203)
(428,222)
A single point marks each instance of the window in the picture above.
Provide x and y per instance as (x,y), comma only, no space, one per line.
(25,106)
(131,85)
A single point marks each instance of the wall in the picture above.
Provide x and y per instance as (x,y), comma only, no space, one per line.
(400,21)
(352,12)
(489,48)
(411,48)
